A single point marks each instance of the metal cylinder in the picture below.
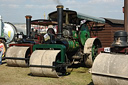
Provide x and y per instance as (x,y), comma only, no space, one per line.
(69,44)
(110,69)
(60,20)
(28,25)
(120,39)
(45,59)
(9,31)
(126,15)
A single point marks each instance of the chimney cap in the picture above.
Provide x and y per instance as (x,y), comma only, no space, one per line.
(28,16)
(59,6)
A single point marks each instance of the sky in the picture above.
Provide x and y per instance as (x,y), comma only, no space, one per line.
(14,11)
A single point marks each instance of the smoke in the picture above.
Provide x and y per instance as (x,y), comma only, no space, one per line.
(57,2)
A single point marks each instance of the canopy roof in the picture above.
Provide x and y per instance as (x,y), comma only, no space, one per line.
(43,22)
(75,17)
(90,18)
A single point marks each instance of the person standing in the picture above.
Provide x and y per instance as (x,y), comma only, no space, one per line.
(1,51)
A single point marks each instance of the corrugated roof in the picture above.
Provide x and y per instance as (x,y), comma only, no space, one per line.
(115,21)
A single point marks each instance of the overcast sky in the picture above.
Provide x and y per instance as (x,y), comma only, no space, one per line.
(14,11)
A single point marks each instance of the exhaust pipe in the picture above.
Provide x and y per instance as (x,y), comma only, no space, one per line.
(28,25)
(60,19)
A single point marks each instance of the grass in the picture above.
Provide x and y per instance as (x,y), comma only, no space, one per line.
(20,76)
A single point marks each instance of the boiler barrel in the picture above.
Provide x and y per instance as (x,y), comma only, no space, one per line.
(110,69)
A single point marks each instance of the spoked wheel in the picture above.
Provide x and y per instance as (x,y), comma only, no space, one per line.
(91,50)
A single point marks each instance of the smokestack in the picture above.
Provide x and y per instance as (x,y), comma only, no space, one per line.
(28,25)
(126,15)
(60,19)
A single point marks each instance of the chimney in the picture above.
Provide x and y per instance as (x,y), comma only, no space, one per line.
(60,19)
(28,25)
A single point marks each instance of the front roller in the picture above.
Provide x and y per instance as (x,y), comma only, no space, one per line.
(17,56)
(110,69)
(42,63)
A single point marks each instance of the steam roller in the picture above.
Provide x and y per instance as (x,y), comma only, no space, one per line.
(110,66)
(53,44)
(70,47)
(18,53)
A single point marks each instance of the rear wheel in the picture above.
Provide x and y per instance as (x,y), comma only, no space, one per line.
(91,50)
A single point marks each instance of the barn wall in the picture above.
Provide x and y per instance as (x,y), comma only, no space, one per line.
(107,33)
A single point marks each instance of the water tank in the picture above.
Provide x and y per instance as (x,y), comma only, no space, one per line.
(9,31)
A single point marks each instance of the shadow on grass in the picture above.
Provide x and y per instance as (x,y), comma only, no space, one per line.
(78,65)
(91,83)
(66,74)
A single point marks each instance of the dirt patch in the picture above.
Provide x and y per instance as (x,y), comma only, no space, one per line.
(20,76)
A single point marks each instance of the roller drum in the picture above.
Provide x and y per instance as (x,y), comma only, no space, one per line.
(46,58)
(16,52)
(110,69)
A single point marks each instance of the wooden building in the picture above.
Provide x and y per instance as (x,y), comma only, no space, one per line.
(105,32)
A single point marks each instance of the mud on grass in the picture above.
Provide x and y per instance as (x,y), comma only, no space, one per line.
(20,76)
